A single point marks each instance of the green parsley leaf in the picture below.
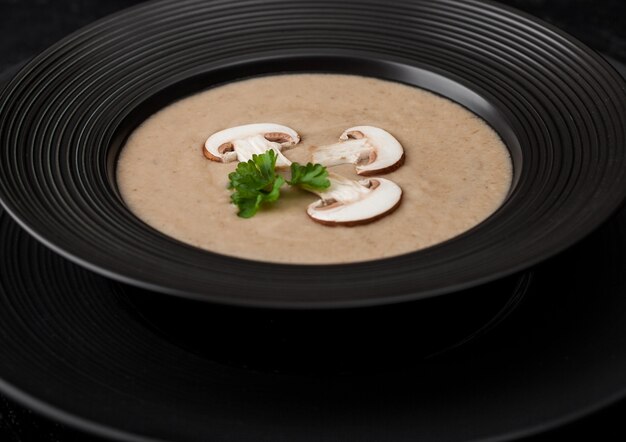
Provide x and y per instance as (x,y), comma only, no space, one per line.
(309,177)
(255,182)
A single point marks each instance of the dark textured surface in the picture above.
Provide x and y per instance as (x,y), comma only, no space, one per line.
(599,24)
(31,26)
(103,351)
(558,353)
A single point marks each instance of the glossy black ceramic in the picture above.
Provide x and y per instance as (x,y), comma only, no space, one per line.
(559,107)
(120,362)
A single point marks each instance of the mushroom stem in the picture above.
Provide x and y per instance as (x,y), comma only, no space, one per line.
(342,189)
(355,151)
(257,145)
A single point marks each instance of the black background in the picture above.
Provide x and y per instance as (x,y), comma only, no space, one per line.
(27,27)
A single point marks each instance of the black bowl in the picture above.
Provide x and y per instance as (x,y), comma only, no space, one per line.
(559,107)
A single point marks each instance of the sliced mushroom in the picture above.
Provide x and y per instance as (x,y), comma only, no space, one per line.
(241,142)
(349,203)
(373,150)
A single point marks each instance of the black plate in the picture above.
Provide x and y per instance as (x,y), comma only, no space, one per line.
(559,107)
(117,361)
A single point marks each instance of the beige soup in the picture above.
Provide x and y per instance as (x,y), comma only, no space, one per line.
(457,170)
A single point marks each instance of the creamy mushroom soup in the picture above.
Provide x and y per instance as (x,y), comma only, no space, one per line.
(456,173)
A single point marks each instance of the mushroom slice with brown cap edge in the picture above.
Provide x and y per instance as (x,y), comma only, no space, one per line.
(349,203)
(373,150)
(241,142)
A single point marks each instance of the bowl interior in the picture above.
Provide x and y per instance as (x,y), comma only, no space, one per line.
(425,77)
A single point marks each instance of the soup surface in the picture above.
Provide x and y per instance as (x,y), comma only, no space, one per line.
(457,170)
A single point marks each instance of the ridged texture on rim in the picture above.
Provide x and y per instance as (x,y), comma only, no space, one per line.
(60,114)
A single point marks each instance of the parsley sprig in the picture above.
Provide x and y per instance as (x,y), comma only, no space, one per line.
(309,177)
(256,182)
